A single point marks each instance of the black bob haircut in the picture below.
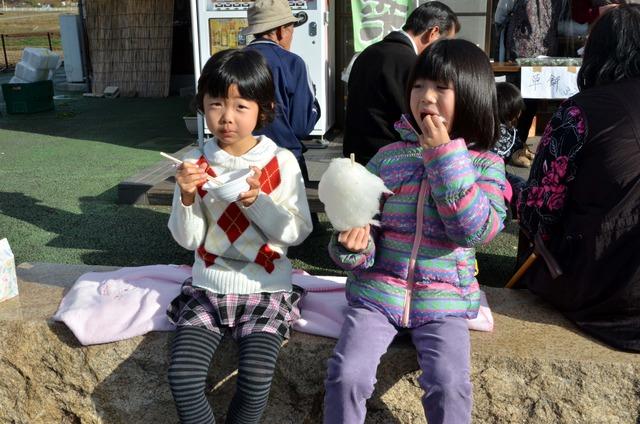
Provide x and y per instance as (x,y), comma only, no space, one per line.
(429,15)
(245,68)
(510,102)
(467,68)
(612,52)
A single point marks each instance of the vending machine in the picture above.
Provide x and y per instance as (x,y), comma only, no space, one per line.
(216,26)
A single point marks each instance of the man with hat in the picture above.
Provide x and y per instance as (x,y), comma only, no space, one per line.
(271,22)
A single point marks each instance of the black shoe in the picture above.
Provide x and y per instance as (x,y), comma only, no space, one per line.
(316,143)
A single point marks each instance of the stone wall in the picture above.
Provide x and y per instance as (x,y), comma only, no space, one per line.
(534,368)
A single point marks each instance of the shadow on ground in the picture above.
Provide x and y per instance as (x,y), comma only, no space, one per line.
(102,227)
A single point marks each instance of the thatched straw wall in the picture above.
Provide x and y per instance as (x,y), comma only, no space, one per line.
(130,45)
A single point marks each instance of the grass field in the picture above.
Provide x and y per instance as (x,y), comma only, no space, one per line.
(59,173)
(24,23)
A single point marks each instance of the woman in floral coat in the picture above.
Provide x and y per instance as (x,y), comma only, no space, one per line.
(583,193)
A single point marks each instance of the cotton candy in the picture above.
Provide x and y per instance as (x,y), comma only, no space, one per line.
(350,194)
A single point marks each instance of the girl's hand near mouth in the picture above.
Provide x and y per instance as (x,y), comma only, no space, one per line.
(434,130)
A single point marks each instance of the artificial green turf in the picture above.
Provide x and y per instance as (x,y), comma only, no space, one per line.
(59,173)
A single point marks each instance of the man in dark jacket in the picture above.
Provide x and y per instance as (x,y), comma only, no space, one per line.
(379,75)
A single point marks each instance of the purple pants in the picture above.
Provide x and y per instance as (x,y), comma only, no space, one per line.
(443,355)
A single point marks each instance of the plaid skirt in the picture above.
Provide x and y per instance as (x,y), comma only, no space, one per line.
(243,314)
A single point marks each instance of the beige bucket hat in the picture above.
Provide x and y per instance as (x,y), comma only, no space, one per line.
(265,15)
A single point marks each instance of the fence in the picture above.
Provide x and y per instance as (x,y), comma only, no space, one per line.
(40,9)
(130,45)
(13,44)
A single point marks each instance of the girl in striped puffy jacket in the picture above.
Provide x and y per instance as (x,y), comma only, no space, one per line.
(415,273)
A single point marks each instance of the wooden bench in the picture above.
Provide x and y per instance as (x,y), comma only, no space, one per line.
(155,186)
(162,194)
(148,186)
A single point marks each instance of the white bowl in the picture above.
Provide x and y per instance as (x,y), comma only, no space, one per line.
(231,185)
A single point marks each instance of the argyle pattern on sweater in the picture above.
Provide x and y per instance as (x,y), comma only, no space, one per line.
(234,224)
(243,249)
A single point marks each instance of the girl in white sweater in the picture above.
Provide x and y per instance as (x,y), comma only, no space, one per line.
(241,275)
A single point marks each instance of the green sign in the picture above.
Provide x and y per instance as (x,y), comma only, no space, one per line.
(373,19)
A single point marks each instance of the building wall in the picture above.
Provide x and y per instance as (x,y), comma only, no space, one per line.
(129,45)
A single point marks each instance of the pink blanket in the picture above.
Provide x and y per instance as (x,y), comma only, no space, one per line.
(103,307)
(322,307)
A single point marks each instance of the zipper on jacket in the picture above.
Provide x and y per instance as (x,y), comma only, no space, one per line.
(417,240)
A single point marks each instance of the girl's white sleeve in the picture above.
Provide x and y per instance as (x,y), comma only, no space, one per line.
(187,224)
(284,215)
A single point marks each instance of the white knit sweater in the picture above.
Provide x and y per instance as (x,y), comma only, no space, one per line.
(243,250)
